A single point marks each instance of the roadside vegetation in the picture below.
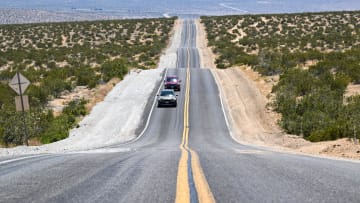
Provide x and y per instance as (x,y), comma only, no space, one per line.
(317,57)
(57,57)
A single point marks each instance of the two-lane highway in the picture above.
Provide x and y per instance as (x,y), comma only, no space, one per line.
(186,154)
(239,173)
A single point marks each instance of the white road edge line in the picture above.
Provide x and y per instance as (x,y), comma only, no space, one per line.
(223,107)
(102,151)
(219,89)
(18,159)
(151,111)
(153,106)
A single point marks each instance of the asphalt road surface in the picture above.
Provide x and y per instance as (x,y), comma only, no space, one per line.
(186,154)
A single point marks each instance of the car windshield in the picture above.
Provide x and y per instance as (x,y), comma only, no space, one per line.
(166,93)
(171,80)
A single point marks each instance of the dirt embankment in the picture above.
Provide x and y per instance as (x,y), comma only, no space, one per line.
(246,95)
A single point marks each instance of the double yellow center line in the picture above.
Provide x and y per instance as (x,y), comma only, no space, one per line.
(191,182)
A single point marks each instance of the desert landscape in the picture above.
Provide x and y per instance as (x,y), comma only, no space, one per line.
(248,90)
(179,101)
(72,66)
(253,116)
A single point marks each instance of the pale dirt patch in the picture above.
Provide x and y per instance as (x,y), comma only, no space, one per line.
(263,83)
(307,64)
(265,20)
(34,142)
(255,25)
(280,29)
(239,29)
(93,96)
(100,93)
(80,42)
(247,106)
(64,41)
(62,64)
(246,94)
(7,66)
(352,90)
(79,92)
(242,33)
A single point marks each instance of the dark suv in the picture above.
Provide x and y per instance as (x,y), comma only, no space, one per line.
(167,97)
(172,82)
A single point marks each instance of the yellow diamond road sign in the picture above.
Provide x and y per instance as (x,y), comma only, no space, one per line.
(19,79)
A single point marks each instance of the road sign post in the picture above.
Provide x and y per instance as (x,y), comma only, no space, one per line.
(25,105)
(19,84)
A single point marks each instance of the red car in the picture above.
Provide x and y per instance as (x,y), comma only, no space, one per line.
(172,82)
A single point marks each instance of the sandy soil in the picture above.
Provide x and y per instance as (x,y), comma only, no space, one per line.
(246,95)
(352,90)
(93,96)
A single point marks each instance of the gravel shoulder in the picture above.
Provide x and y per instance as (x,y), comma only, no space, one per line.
(246,94)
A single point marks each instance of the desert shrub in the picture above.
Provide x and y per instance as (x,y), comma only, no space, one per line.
(58,129)
(76,108)
(116,68)
(13,127)
(6,94)
(311,104)
(85,76)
